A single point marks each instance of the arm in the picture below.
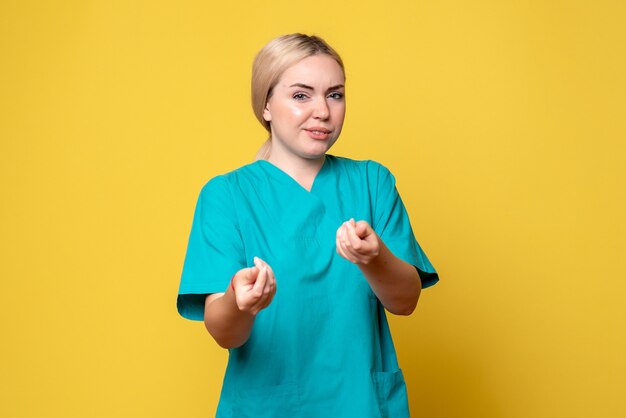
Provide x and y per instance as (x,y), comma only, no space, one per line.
(395,282)
(229,316)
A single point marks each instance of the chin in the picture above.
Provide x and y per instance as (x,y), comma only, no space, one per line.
(309,156)
(323,148)
(315,154)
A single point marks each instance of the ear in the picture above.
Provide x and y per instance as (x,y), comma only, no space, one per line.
(267,115)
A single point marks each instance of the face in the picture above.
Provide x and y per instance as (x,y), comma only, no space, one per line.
(307,108)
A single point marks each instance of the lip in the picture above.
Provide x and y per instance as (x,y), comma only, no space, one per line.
(319,129)
(318,134)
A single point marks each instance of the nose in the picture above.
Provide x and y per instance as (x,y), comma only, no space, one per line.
(321,110)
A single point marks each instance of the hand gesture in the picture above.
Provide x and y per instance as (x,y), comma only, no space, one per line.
(357,242)
(254,287)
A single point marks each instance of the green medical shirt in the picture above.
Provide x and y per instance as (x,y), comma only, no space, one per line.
(322,348)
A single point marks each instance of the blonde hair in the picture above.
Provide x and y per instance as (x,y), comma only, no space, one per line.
(269,65)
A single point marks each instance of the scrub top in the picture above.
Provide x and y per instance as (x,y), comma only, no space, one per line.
(322,348)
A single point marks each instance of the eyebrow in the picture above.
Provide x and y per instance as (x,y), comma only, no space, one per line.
(304,86)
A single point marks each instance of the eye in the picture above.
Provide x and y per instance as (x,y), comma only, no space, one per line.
(299,96)
(336,95)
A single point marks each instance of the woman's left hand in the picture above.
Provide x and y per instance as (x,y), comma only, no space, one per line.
(357,242)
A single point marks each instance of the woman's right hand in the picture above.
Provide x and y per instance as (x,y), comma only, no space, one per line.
(254,287)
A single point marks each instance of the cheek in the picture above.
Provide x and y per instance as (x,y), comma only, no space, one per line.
(339,113)
(295,112)
(288,113)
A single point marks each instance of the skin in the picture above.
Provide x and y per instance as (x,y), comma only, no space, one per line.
(229,316)
(395,282)
(309,94)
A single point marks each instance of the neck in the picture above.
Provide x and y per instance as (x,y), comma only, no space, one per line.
(303,170)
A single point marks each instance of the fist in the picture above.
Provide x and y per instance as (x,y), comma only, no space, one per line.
(357,242)
(254,287)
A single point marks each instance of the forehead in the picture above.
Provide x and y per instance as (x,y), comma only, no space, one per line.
(317,70)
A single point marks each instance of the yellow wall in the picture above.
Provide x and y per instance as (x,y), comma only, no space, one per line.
(503,122)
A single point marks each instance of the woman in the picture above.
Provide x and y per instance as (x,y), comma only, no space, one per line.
(293,259)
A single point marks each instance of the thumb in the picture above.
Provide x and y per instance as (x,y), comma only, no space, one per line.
(248,275)
(362,229)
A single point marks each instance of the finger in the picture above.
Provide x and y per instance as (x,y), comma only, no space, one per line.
(257,262)
(362,229)
(347,244)
(268,282)
(347,248)
(344,241)
(246,277)
(353,239)
(338,246)
(253,273)
(270,273)
(271,278)
(343,251)
(259,285)
(339,238)
(264,263)
(267,296)
(259,306)
(273,290)
(351,255)
(269,268)
(340,243)
(269,292)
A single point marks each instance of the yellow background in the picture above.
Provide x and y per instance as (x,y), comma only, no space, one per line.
(503,122)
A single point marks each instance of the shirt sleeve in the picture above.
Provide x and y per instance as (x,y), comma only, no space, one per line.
(391,223)
(215,251)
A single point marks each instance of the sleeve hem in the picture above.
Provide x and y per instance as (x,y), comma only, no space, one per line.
(190,304)
(428,278)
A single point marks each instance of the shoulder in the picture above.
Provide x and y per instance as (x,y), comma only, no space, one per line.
(222,184)
(219,196)
(374,171)
(350,163)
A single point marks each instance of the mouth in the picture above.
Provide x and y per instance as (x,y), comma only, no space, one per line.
(319,131)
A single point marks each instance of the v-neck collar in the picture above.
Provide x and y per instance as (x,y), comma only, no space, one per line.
(283,175)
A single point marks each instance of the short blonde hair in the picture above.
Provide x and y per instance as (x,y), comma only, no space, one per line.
(272,61)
